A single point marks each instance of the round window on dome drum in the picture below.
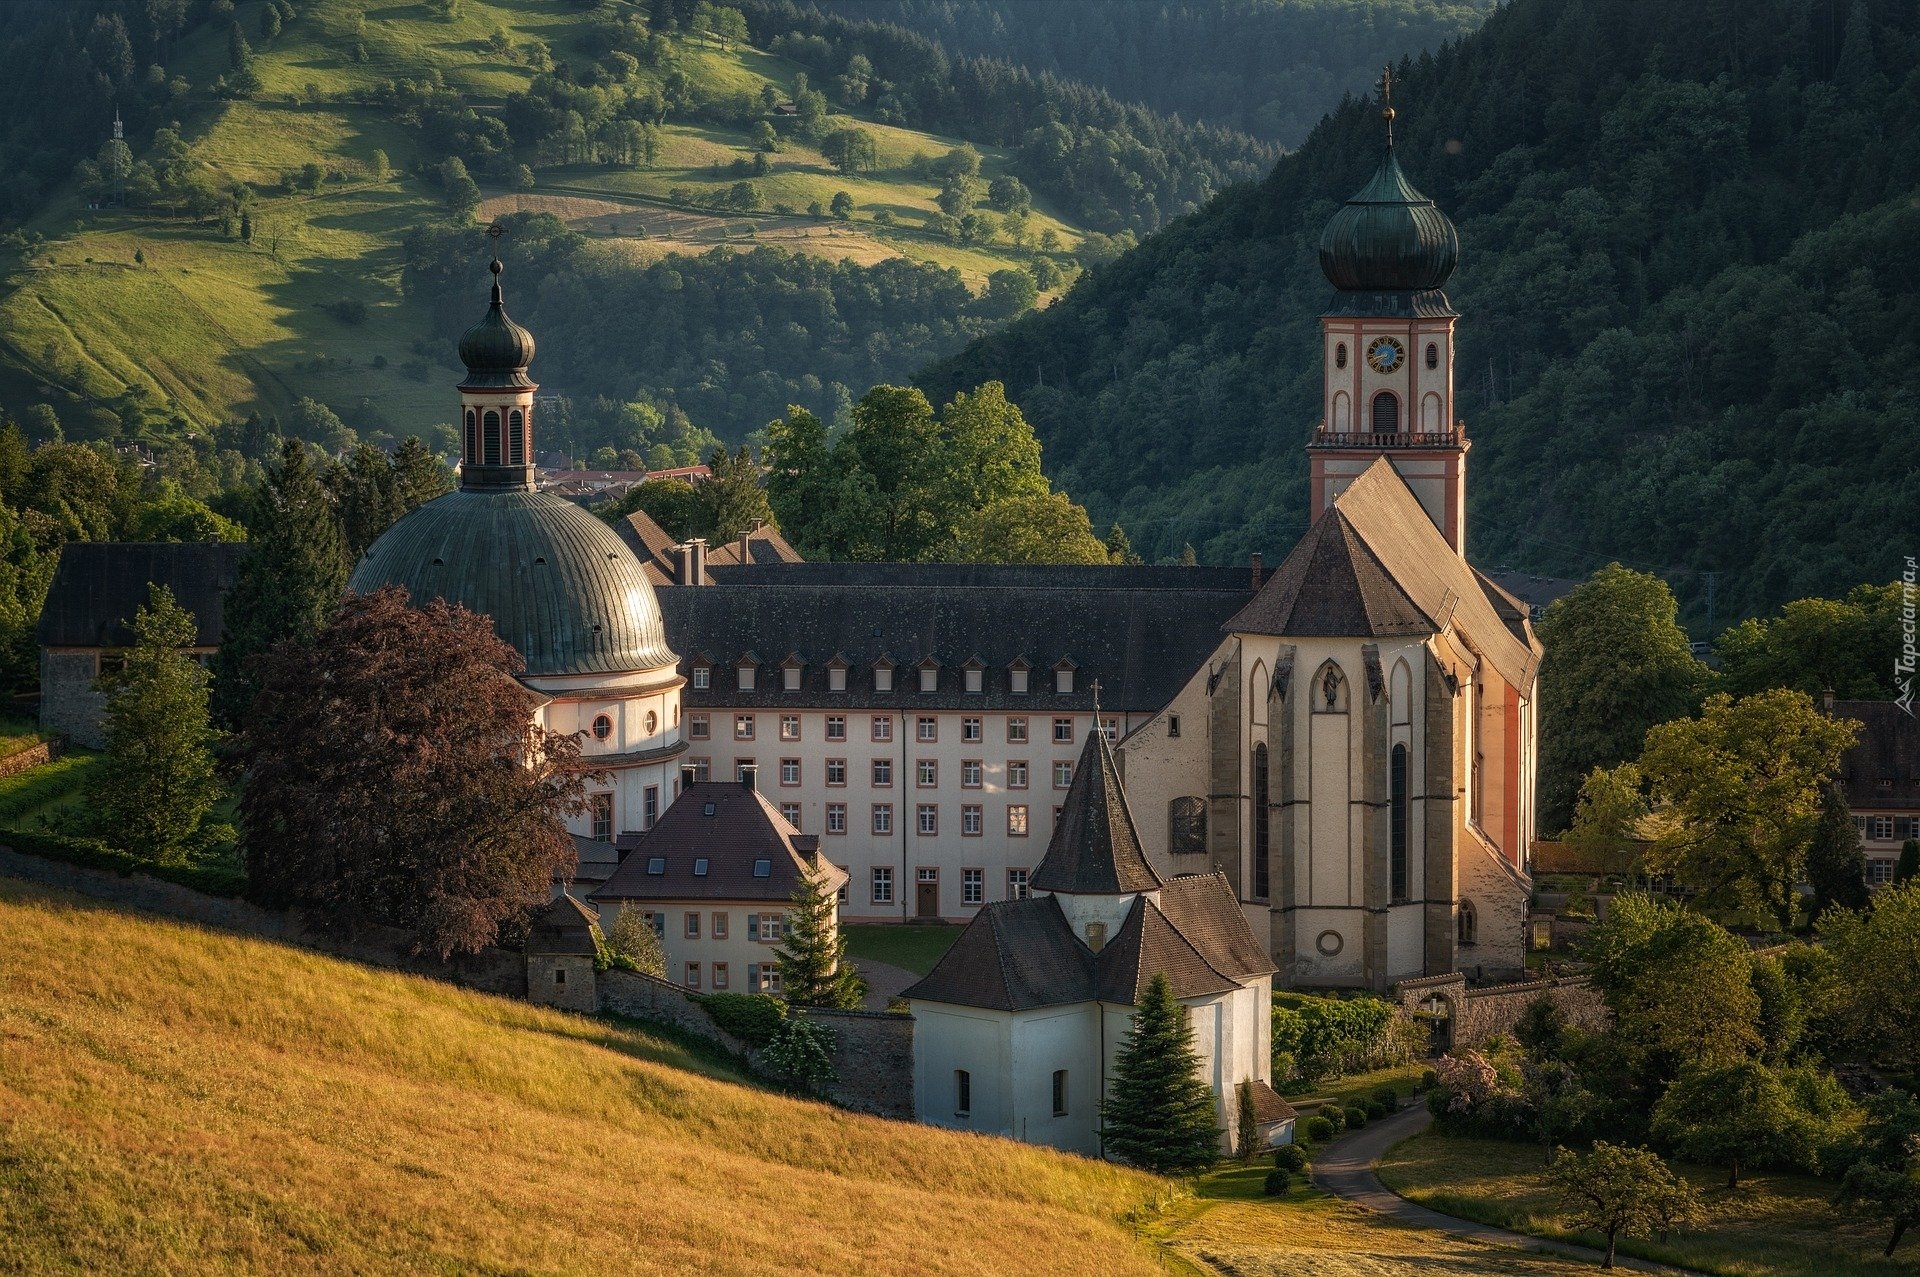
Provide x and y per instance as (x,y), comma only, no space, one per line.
(602,727)
(653,722)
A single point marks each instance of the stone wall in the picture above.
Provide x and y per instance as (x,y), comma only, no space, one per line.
(70,704)
(29,758)
(1478,1014)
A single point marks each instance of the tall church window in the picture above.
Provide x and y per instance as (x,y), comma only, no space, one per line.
(472,452)
(516,438)
(1433,355)
(1397,806)
(1262,831)
(1386,413)
(490,439)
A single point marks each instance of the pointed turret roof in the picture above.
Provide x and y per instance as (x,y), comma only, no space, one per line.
(1095,849)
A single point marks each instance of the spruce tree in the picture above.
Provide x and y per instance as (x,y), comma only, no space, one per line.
(814,971)
(1836,866)
(1158,1114)
(1907,868)
(290,581)
(366,498)
(418,475)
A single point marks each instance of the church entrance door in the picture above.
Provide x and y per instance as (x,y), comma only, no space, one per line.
(927,897)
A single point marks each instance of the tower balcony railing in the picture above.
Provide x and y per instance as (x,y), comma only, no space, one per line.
(1325,438)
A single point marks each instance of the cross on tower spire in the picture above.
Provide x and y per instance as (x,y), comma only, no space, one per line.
(1386,102)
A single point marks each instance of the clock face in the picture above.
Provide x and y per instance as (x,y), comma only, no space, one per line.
(1385,354)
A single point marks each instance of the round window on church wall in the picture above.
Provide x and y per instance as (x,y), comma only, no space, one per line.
(1340,355)
(1329,943)
(602,727)
(653,722)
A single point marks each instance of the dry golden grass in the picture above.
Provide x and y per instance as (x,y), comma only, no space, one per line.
(178,1100)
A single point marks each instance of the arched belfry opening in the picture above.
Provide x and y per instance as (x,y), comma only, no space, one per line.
(1386,413)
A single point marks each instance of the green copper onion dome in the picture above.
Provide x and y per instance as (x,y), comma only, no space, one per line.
(496,350)
(1389,238)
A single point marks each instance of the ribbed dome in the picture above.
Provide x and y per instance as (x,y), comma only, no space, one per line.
(496,350)
(558,583)
(1389,238)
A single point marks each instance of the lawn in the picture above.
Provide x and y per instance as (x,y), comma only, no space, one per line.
(1403,1078)
(912,948)
(27,798)
(184,1100)
(17,734)
(1781,1225)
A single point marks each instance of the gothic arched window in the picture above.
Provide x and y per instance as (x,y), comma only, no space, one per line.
(490,439)
(1386,413)
(1397,805)
(1262,834)
(516,438)
(1433,355)
(1469,924)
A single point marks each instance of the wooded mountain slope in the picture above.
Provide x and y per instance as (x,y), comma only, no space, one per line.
(1689,339)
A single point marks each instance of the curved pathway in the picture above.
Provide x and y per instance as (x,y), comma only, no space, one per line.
(1346,1169)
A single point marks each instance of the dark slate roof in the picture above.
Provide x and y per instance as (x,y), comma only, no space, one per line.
(1534,591)
(559,585)
(1384,546)
(1019,954)
(1095,848)
(99,586)
(1141,633)
(1268,1106)
(565,926)
(594,860)
(659,553)
(1888,749)
(729,826)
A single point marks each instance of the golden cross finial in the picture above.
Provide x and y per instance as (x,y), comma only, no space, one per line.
(1386,101)
(494,232)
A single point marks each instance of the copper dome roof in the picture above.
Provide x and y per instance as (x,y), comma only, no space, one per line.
(1389,238)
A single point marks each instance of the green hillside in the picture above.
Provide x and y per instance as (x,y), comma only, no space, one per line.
(1688,337)
(124,316)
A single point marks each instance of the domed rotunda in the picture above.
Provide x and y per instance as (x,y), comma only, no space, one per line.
(558,584)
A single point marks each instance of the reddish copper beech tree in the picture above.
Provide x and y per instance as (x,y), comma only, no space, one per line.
(394,775)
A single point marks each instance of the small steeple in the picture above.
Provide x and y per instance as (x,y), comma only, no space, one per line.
(1386,102)
(496,395)
(1095,849)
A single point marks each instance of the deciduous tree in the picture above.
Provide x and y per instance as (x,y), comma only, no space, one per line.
(394,774)
(1733,1114)
(637,943)
(1029,529)
(1886,1178)
(1876,953)
(733,498)
(1159,1114)
(1836,864)
(1615,1190)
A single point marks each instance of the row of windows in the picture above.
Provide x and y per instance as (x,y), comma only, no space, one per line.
(747,678)
(483,442)
(963,1093)
(768,928)
(762,977)
(926,729)
(926,772)
(603,725)
(1886,828)
(1340,355)
(973,884)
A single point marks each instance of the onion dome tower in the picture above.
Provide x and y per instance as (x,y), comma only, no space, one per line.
(1387,345)
(558,584)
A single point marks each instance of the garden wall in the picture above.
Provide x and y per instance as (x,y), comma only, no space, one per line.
(29,758)
(1478,1014)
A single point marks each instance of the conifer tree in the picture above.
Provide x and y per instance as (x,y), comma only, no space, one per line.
(812,957)
(1907,868)
(156,779)
(1836,866)
(292,576)
(1158,1114)
(732,497)
(418,475)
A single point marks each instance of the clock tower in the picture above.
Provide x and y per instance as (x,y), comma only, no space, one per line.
(1387,346)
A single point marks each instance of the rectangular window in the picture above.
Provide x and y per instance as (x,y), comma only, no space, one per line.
(1110,728)
(1017,682)
(882,773)
(1880,872)
(693,926)
(930,679)
(970,821)
(836,818)
(790,812)
(702,678)
(1017,774)
(1059,1092)
(883,818)
(789,771)
(1016,731)
(883,680)
(763,977)
(970,730)
(1173,726)
(882,885)
(790,678)
(693,975)
(743,768)
(927,818)
(1017,884)
(1883,827)
(789,727)
(1063,731)
(1062,773)
(719,926)
(973,886)
(719,975)
(702,768)
(602,817)
(771,926)
(837,679)
(882,727)
(743,727)
(975,680)
(649,806)
(1017,820)
(746,678)
(926,729)
(836,727)
(836,771)
(972,772)
(698,728)
(1063,682)
(926,773)
(962,1093)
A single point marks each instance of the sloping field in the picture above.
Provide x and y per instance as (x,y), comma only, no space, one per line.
(178,1100)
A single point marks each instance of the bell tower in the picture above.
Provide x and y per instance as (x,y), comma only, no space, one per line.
(496,396)
(1387,346)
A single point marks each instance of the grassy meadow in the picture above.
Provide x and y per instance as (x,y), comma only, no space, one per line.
(911,948)
(174,1099)
(211,328)
(1777,1225)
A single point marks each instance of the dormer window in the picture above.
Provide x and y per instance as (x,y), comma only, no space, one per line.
(1063,678)
(929,677)
(836,678)
(763,868)
(1017,678)
(701,865)
(702,678)
(976,674)
(746,673)
(790,674)
(883,678)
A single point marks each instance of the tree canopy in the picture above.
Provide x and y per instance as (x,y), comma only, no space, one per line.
(1159,1112)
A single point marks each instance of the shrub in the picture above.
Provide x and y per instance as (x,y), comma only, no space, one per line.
(802,1052)
(1388,1097)
(221,879)
(754,1018)
(1374,1110)
(1334,1114)
(23,791)
(1278,1182)
(1356,1118)
(1318,1129)
(1428,1079)
(1290,1157)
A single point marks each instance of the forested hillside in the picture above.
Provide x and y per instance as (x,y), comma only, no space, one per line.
(1271,68)
(1689,337)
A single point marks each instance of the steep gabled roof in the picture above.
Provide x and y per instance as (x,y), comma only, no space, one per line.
(1095,849)
(1015,955)
(1376,542)
(563,927)
(1204,909)
(1149,945)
